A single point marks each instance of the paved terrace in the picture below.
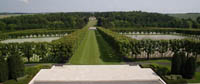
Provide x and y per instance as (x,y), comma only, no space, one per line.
(97,74)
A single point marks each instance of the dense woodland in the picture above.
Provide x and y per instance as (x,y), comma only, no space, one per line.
(135,19)
(44,21)
(139,19)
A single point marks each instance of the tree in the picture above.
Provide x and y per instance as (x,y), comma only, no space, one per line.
(163,47)
(149,48)
(28,52)
(41,50)
(178,63)
(198,20)
(12,27)
(190,67)
(2,26)
(3,69)
(15,65)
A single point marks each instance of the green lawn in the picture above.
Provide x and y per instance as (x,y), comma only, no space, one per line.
(88,52)
(94,51)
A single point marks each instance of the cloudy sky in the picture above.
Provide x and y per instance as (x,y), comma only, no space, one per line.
(161,6)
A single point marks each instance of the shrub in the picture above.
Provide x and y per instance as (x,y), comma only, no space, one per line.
(173,77)
(15,65)
(162,71)
(178,62)
(3,69)
(190,67)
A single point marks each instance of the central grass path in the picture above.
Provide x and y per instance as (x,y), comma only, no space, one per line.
(88,51)
(94,51)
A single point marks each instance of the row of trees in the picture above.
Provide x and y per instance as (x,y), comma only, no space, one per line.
(39,52)
(182,65)
(159,30)
(12,67)
(12,55)
(130,49)
(143,19)
(50,21)
(58,51)
(34,32)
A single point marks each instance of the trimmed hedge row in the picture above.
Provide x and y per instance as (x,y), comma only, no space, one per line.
(119,42)
(35,32)
(58,51)
(131,48)
(159,30)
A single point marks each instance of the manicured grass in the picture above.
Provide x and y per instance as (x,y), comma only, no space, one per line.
(90,51)
(91,23)
(196,78)
(160,60)
(94,50)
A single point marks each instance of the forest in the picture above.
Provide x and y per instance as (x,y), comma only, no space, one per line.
(45,21)
(134,19)
(138,19)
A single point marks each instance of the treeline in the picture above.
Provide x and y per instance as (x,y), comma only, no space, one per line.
(158,30)
(50,21)
(130,49)
(33,32)
(143,19)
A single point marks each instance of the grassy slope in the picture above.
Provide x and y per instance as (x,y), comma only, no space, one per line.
(186,15)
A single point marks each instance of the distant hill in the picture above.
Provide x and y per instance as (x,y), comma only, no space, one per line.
(5,15)
(186,15)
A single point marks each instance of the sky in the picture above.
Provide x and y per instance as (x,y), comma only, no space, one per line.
(160,6)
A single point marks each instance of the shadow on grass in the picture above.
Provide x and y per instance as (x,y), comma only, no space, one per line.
(107,54)
(151,59)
